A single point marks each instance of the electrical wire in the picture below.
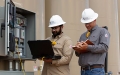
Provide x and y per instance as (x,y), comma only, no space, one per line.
(19,57)
(40,68)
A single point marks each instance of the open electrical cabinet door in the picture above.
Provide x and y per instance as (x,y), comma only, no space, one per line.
(7,15)
(10,11)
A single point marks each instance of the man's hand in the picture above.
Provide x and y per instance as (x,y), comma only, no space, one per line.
(77,47)
(81,47)
(47,60)
(84,46)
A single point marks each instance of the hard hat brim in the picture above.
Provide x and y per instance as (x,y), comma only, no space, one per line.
(90,20)
(56,24)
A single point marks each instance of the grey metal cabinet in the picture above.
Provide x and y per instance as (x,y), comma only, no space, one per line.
(20,23)
(17,27)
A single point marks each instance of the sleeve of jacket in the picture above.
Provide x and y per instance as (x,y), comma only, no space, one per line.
(103,45)
(76,53)
(67,54)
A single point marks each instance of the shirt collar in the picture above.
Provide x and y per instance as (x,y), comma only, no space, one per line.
(94,28)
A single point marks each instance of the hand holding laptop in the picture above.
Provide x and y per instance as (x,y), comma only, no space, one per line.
(47,60)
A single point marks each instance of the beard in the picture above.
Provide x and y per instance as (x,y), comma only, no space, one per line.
(56,33)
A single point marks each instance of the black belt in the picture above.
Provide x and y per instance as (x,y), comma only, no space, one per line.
(92,66)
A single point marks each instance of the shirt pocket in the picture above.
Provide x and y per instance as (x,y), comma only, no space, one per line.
(58,49)
(58,45)
(94,39)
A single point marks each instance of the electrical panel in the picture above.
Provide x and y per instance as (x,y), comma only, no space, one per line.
(17,27)
(19,33)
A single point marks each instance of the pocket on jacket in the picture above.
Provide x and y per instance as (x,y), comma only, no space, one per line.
(94,39)
(58,45)
(58,49)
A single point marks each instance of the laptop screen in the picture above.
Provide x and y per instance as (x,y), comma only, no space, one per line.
(41,48)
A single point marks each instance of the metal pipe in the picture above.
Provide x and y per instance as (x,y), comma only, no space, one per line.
(117,30)
(87,4)
(42,17)
(10,65)
(16,65)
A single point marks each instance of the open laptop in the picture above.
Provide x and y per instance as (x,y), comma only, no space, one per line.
(42,48)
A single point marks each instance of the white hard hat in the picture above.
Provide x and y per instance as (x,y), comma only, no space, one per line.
(88,15)
(56,20)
